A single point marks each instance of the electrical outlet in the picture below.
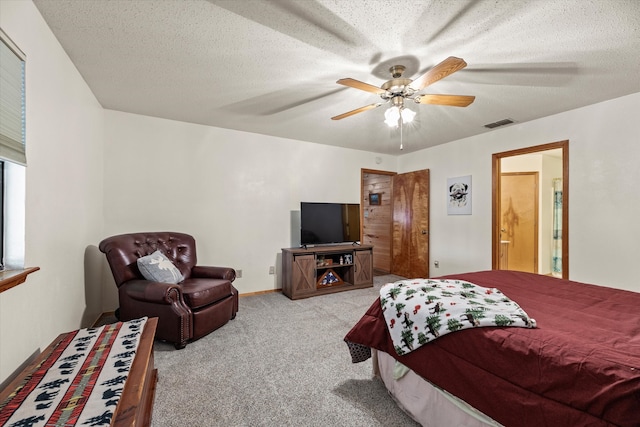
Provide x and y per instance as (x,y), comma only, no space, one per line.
(238,274)
(436,264)
(272,270)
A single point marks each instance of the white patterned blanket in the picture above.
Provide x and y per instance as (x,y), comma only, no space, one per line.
(80,383)
(418,311)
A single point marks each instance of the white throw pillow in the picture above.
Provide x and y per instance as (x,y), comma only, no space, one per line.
(159,268)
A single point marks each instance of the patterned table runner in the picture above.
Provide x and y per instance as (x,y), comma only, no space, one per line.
(80,383)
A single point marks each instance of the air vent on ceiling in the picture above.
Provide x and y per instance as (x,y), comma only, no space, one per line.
(502,122)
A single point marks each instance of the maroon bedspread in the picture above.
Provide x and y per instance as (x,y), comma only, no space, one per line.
(579,367)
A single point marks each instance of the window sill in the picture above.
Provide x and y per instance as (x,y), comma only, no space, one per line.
(11,278)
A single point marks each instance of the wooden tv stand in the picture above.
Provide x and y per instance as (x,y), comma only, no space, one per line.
(304,269)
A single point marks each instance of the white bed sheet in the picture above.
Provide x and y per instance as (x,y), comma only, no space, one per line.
(424,402)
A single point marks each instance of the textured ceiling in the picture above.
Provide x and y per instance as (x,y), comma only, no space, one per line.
(270,67)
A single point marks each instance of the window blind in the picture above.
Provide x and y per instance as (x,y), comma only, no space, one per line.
(12,102)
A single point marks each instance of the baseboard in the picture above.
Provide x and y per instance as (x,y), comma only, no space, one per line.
(251,294)
(19,369)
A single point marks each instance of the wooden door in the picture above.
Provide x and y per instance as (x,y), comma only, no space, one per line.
(410,247)
(519,220)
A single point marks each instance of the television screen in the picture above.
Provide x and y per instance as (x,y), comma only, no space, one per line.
(327,223)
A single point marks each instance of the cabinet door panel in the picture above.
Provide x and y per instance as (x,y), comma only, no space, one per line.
(363,267)
(304,274)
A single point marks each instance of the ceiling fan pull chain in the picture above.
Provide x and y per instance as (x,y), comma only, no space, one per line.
(401,126)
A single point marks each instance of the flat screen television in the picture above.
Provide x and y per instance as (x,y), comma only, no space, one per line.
(329,223)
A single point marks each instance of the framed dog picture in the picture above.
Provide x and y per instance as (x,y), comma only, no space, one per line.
(459,195)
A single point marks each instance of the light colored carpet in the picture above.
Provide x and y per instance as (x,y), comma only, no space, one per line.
(278,363)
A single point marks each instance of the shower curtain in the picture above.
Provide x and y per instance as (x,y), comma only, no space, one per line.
(556,253)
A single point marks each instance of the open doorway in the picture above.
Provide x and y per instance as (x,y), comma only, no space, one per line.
(530,221)
(395,220)
(376,218)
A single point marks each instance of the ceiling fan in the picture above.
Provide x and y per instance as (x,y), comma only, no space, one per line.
(398,89)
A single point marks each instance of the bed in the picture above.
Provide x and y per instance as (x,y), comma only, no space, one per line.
(579,365)
(93,376)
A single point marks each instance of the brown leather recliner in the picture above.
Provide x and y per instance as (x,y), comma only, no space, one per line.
(204,301)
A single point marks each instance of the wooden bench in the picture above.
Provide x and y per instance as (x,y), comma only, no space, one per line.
(135,405)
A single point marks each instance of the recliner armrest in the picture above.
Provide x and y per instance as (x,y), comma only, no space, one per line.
(207,272)
(153,292)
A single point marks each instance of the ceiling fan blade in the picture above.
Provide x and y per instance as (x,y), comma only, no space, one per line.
(357,84)
(440,71)
(450,100)
(356,111)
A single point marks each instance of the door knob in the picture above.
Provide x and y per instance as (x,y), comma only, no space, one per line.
(424,231)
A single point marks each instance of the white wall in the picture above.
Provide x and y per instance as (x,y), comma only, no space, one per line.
(63,194)
(234,191)
(604,148)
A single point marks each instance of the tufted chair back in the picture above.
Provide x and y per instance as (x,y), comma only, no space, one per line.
(123,251)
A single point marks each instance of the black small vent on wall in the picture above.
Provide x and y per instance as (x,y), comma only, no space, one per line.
(499,123)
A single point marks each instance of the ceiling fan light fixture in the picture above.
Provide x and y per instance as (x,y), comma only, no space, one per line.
(407,115)
(391,116)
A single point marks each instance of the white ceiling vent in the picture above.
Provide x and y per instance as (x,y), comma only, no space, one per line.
(502,122)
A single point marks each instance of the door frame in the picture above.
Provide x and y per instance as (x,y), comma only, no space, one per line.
(495,214)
